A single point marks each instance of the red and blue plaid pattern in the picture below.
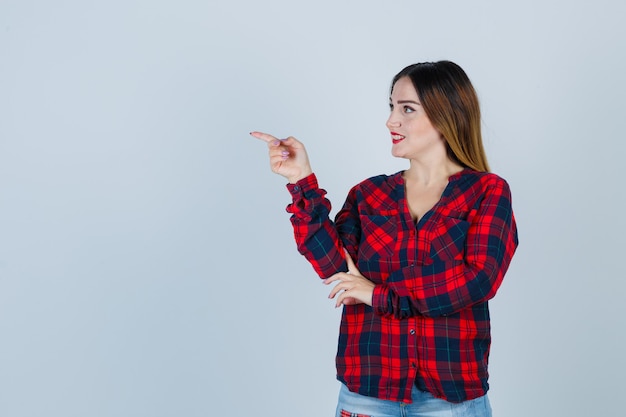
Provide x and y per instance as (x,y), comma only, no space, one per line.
(429,324)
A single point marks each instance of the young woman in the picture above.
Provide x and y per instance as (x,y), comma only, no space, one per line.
(415,255)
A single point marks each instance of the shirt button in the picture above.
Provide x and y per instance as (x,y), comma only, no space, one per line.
(413,364)
(412,331)
(296,188)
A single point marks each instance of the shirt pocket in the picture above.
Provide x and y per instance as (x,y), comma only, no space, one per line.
(448,239)
(379,235)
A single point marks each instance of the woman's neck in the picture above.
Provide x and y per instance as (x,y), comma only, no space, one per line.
(433,173)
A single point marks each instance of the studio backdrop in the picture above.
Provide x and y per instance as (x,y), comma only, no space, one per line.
(147,264)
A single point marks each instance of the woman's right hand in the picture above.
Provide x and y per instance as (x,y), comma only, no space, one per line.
(288,157)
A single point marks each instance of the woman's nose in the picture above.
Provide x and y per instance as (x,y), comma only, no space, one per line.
(392,122)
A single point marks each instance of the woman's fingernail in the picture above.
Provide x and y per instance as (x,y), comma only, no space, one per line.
(275,142)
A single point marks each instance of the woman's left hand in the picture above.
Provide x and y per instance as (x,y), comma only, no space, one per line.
(356,288)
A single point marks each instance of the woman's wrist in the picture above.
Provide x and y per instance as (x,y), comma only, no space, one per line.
(295,179)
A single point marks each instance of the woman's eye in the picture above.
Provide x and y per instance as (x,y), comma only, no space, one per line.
(408,109)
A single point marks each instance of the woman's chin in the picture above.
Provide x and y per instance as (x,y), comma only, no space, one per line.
(397,153)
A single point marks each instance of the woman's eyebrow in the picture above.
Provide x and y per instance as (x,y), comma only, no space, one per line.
(408,101)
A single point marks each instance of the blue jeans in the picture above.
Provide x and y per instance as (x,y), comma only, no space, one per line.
(423,405)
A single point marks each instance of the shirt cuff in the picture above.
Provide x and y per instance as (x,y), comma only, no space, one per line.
(298,189)
(380,299)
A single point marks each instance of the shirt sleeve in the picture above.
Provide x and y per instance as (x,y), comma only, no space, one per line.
(318,238)
(445,287)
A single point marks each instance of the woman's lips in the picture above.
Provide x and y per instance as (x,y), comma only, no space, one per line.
(396,137)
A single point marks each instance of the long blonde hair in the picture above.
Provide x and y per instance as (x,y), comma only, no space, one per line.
(451,104)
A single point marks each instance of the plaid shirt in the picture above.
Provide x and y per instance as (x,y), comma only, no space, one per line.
(429,323)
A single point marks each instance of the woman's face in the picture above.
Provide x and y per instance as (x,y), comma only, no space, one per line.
(412,133)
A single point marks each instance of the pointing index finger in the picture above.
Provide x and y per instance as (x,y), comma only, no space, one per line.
(263,136)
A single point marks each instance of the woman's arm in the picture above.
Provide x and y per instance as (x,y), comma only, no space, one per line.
(317,237)
(445,287)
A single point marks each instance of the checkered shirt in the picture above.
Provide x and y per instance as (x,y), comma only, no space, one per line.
(429,323)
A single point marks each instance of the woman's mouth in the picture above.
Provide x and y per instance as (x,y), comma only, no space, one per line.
(396,137)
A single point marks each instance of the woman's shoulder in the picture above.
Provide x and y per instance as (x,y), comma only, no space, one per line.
(378,193)
(485,178)
(381,179)
(480,182)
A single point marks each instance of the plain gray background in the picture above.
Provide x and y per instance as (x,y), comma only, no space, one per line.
(147,265)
